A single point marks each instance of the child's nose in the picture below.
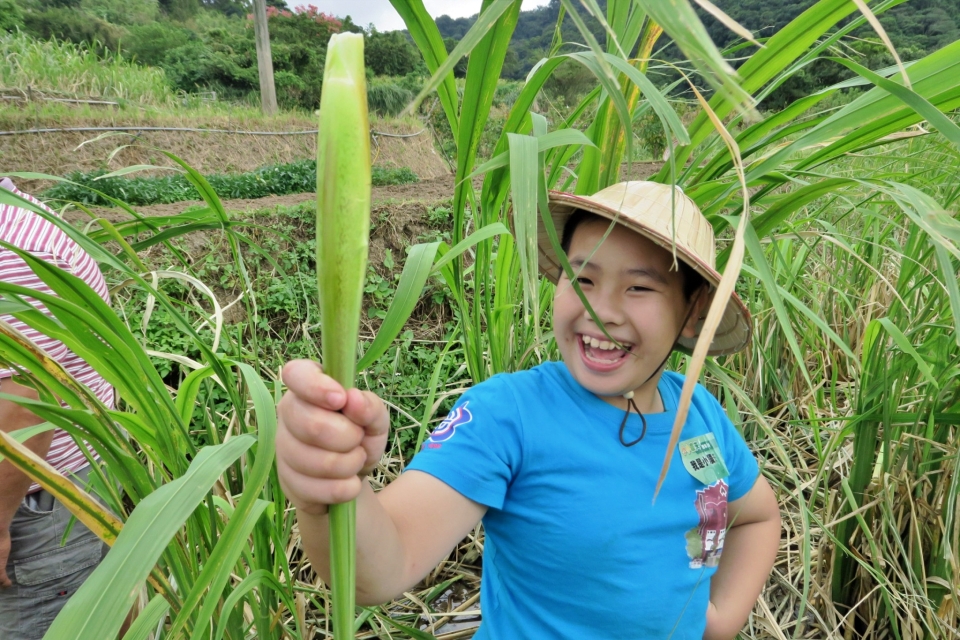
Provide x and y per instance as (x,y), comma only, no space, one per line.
(606,306)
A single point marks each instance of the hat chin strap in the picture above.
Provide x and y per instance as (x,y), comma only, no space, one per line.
(629,395)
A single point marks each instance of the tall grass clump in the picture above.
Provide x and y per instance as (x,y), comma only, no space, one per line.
(387,98)
(71,69)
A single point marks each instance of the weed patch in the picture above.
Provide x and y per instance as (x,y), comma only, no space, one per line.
(277,180)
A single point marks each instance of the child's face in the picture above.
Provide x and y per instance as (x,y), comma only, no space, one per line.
(639,298)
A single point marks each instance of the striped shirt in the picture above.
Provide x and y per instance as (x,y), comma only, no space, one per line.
(30,232)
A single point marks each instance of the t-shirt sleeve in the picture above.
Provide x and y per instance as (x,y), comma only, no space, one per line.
(741,463)
(476,449)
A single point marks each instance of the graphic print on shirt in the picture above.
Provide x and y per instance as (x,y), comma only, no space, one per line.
(446,429)
(705,541)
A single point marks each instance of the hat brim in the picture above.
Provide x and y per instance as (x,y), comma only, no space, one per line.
(735,328)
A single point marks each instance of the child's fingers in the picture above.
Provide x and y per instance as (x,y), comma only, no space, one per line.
(316,427)
(367,410)
(306,380)
(312,495)
(315,462)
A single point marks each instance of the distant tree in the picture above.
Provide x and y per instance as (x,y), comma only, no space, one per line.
(122,11)
(180,9)
(227,7)
(349,26)
(460,69)
(278,4)
(66,23)
(389,53)
(454,28)
(149,43)
(11,17)
(56,4)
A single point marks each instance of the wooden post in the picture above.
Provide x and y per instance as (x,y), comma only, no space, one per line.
(268,92)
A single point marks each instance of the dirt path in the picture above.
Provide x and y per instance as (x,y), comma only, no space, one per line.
(425,191)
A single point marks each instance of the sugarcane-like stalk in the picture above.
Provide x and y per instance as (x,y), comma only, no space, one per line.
(343,229)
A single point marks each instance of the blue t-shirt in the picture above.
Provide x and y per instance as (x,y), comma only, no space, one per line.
(574,546)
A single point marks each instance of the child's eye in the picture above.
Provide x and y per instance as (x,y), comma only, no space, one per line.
(584,281)
(638,287)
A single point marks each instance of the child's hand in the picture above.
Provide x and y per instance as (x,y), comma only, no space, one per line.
(327,439)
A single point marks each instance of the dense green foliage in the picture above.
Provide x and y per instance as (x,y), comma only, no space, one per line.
(390,54)
(278,179)
(916,27)
(11,17)
(209,46)
(220,54)
(76,69)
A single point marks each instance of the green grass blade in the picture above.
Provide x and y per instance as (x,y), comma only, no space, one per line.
(770,286)
(427,37)
(907,347)
(782,49)
(187,393)
(99,607)
(684,27)
(253,580)
(148,620)
(918,103)
(416,270)
(524,165)
(552,140)
(949,275)
(428,407)
(484,233)
(234,537)
(488,17)
(232,544)
(483,74)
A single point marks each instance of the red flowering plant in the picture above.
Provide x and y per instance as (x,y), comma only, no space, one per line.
(273,12)
(309,12)
(314,13)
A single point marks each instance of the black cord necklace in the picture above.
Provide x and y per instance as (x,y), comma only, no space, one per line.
(629,394)
(630,403)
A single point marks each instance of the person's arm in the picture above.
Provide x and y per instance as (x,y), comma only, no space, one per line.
(749,551)
(327,442)
(13,483)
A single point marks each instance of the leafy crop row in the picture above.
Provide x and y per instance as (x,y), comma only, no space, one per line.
(278,179)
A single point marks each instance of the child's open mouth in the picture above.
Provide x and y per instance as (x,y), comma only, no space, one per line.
(602,355)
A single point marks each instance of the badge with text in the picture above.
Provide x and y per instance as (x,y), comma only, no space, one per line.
(701,456)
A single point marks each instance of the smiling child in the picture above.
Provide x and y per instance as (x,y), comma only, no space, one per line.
(560,462)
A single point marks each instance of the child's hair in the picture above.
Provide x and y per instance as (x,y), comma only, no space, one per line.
(692,281)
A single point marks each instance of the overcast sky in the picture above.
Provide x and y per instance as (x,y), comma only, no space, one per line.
(382,15)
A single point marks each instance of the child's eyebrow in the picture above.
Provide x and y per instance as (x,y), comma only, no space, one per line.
(581,264)
(644,272)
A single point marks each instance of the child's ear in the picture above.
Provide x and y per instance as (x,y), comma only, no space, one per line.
(700,301)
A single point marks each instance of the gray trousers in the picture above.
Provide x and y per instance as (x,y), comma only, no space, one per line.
(44,573)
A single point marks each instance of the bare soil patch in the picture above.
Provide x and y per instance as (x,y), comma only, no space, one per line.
(393,143)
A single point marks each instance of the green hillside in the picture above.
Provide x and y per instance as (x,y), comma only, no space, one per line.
(916,27)
(202,46)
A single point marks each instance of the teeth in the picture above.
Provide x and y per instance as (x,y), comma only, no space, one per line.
(603,345)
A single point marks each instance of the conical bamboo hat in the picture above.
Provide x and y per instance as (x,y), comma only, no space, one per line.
(667,217)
